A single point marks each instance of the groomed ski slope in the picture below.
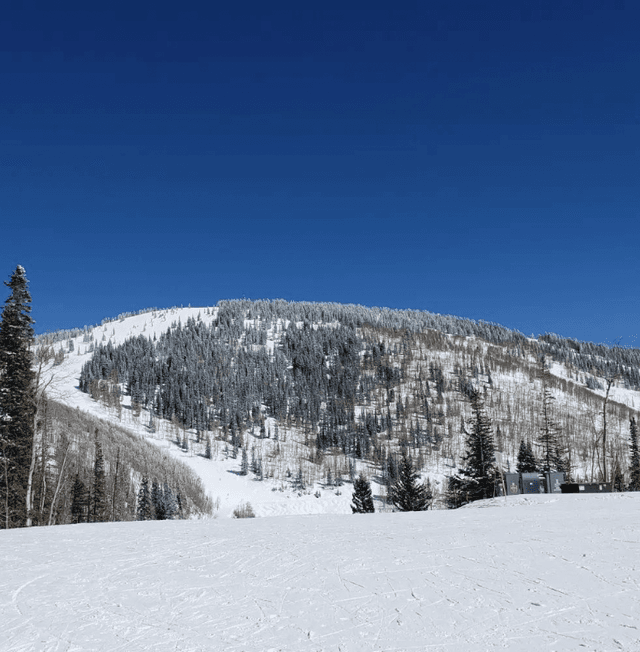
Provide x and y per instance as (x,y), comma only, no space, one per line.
(551,573)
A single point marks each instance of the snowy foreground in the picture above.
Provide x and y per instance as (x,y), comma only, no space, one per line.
(537,573)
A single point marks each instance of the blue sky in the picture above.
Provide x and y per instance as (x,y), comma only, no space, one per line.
(473,158)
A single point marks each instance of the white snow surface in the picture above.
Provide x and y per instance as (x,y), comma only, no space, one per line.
(553,573)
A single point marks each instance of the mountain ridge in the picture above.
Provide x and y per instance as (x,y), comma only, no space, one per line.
(414,358)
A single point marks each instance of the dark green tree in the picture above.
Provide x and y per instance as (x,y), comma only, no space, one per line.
(79,501)
(17,403)
(362,498)
(99,497)
(477,477)
(408,494)
(527,462)
(144,511)
(157,500)
(618,477)
(549,439)
(634,466)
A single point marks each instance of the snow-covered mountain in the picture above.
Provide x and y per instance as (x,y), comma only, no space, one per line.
(426,359)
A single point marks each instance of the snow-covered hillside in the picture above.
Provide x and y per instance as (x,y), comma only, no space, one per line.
(513,406)
(553,573)
(220,476)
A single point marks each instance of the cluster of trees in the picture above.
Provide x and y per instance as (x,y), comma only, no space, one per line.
(209,376)
(479,477)
(407,493)
(157,503)
(58,465)
(585,357)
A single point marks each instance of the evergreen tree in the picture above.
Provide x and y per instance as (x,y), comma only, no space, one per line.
(477,479)
(79,501)
(298,482)
(170,504)
(455,495)
(157,500)
(526,459)
(362,498)
(17,404)
(244,463)
(144,511)
(618,477)
(99,498)
(634,466)
(549,441)
(407,494)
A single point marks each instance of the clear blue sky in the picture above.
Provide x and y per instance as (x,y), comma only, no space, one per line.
(471,158)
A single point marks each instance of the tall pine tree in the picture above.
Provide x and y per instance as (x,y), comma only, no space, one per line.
(99,497)
(17,403)
(362,498)
(549,440)
(79,501)
(407,494)
(526,459)
(170,504)
(477,477)
(144,511)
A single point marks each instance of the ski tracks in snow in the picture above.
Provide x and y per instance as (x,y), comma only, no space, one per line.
(559,576)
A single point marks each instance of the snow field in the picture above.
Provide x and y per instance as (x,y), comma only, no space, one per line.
(554,573)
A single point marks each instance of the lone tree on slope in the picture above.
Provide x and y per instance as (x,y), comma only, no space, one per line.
(362,498)
(408,494)
(477,478)
(549,440)
(17,403)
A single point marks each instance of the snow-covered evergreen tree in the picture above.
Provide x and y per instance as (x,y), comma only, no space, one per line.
(408,494)
(170,504)
(478,475)
(549,439)
(362,498)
